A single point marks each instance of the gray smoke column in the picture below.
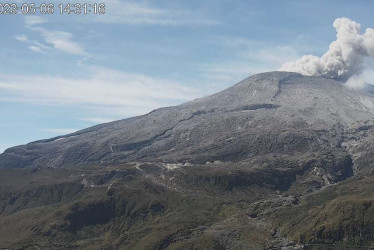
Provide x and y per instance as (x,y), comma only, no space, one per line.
(345,56)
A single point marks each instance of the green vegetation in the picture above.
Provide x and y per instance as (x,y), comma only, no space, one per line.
(340,216)
(119,208)
(198,207)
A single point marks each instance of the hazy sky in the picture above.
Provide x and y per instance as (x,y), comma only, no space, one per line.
(62,73)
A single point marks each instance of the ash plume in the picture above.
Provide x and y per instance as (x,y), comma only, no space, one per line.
(345,56)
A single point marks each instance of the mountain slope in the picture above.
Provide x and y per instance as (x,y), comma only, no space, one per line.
(274,112)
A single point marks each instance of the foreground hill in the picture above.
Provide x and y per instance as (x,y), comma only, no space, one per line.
(277,160)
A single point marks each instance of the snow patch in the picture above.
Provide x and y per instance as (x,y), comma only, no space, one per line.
(172,166)
(59,139)
(368,103)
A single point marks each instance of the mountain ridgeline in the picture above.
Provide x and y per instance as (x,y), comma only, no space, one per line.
(279,160)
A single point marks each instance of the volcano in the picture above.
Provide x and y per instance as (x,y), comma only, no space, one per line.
(277,160)
(270,113)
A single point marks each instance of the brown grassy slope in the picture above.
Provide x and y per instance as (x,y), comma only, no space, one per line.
(339,214)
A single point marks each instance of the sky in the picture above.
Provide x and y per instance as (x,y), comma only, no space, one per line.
(60,73)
